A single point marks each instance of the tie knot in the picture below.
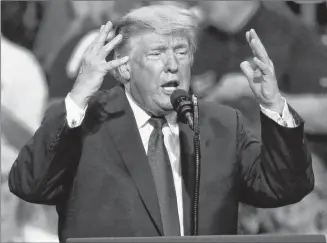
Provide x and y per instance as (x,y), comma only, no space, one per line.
(157,121)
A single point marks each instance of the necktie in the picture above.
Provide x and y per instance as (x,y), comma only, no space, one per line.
(163,178)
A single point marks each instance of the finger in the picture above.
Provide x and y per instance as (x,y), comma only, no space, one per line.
(104,31)
(248,39)
(254,36)
(258,51)
(247,70)
(252,64)
(112,44)
(261,65)
(111,35)
(254,43)
(116,63)
(247,36)
(99,34)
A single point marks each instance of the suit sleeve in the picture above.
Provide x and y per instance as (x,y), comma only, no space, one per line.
(278,170)
(45,166)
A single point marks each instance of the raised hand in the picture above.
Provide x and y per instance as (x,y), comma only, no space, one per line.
(94,65)
(261,75)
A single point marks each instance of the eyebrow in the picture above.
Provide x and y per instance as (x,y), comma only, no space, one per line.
(163,46)
(158,47)
(181,45)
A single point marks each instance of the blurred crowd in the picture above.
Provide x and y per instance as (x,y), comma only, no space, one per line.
(42,44)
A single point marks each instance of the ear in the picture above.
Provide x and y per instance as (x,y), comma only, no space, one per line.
(124,69)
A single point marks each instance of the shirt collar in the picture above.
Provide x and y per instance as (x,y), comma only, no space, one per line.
(142,117)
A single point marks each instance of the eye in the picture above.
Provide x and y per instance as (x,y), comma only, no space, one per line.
(155,53)
(182,52)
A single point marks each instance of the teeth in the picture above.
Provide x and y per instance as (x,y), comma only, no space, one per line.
(169,88)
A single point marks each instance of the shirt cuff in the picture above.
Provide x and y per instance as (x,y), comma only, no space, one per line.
(75,114)
(286,120)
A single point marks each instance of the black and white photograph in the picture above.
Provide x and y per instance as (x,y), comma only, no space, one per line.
(163,121)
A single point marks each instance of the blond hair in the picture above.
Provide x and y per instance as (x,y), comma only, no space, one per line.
(160,19)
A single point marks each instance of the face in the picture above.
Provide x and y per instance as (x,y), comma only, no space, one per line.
(159,64)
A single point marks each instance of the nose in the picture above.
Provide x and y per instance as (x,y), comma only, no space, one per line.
(171,64)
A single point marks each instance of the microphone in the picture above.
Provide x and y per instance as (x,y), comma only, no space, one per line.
(182,104)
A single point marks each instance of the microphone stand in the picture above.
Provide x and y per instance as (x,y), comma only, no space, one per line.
(197,158)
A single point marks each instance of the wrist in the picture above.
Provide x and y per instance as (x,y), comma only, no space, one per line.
(82,91)
(81,96)
(277,105)
(79,99)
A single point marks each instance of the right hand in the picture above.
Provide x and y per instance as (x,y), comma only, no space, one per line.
(94,65)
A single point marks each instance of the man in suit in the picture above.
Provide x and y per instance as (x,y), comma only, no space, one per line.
(100,156)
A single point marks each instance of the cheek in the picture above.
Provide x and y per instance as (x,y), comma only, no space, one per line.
(149,68)
(185,69)
(145,78)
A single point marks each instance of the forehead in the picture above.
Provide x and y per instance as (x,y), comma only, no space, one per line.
(151,40)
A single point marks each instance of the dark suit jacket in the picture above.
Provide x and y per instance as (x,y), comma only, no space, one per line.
(99,178)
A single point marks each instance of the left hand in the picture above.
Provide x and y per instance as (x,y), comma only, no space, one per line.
(261,75)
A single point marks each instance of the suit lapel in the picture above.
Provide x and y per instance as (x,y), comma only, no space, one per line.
(123,130)
(188,169)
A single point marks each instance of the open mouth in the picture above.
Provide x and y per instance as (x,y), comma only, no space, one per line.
(170,86)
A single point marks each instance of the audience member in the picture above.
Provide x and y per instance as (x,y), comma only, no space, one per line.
(20,21)
(23,101)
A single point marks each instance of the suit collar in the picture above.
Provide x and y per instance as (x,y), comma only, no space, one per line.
(142,117)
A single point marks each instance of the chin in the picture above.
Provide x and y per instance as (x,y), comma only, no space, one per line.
(167,106)
(163,110)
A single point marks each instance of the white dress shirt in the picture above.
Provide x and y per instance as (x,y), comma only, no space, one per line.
(75,117)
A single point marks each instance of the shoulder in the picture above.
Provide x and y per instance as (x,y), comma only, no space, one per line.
(214,113)
(214,108)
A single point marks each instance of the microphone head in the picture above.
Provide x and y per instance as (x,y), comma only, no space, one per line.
(177,96)
(182,104)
